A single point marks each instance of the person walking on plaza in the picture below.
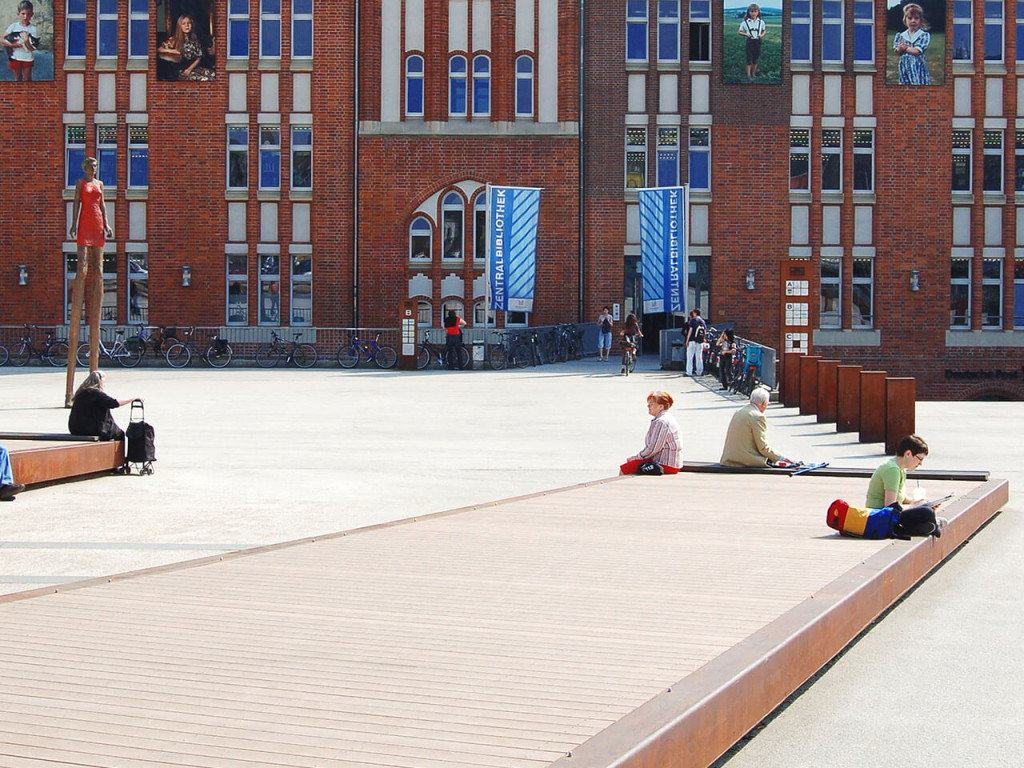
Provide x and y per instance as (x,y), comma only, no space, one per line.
(696,332)
(746,441)
(8,488)
(604,339)
(662,453)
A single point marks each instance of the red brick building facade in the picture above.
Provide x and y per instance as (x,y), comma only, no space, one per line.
(332,164)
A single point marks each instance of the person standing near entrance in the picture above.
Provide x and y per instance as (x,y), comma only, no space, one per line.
(604,339)
(453,338)
(696,331)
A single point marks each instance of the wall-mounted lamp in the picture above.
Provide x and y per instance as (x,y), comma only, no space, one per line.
(750,279)
(186,276)
(915,279)
(23,274)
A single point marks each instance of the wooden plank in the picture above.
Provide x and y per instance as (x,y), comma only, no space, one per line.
(50,436)
(44,463)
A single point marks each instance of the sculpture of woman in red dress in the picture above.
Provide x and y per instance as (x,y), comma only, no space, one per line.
(90,229)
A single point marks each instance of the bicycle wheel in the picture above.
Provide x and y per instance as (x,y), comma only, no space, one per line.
(386,356)
(178,355)
(497,357)
(423,359)
(521,355)
(22,354)
(348,357)
(129,356)
(632,363)
(57,354)
(218,358)
(304,355)
(463,359)
(268,355)
(82,355)
(563,350)
(4,355)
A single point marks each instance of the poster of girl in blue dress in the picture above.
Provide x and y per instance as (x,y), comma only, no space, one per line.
(917,42)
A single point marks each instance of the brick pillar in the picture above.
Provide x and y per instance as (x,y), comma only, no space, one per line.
(900,410)
(872,406)
(848,398)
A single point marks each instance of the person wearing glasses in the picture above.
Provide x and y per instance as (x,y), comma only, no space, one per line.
(887,488)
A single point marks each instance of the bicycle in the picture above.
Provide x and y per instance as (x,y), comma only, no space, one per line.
(629,350)
(269,355)
(568,342)
(435,352)
(4,355)
(126,356)
(156,338)
(54,351)
(369,350)
(511,351)
(180,353)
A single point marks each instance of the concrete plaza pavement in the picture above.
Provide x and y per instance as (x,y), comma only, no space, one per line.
(250,457)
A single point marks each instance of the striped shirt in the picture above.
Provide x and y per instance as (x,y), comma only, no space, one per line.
(663,443)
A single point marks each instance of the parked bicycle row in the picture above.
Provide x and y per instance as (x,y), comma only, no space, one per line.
(179,346)
(739,370)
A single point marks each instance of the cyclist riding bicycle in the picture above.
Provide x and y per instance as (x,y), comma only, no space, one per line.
(631,335)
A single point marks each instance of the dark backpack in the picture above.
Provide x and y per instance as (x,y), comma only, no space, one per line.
(699,332)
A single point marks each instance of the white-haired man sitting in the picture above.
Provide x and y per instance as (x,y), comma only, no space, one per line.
(746,442)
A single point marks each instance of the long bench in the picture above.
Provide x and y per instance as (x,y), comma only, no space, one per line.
(45,457)
(971,475)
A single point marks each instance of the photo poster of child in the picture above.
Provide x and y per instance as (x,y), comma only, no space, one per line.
(752,43)
(916,36)
(27,27)
(186,40)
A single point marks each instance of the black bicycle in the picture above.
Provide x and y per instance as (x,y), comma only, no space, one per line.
(269,355)
(54,351)
(510,352)
(180,353)
(629,350)
(438,354)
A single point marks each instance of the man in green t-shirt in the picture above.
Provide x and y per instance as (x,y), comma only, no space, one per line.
(888,481)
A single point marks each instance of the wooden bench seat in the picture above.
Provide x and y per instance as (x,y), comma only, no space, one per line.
(46,458)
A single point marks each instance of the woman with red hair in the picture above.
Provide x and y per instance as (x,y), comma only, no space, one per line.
(662,453)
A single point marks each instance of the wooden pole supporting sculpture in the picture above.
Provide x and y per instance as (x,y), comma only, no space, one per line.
(90,231)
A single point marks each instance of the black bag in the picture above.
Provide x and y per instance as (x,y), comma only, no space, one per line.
(650,468)
(699,333)
(140,437)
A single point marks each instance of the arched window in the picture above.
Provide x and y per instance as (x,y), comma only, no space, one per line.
(524,87)
(481,314)
(480,227)
(452,221)
(424,313)
(481,86)
(453,305)
(420,236)
(414,86)
(457,86)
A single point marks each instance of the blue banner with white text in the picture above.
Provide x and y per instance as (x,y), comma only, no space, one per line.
(663,248)
(514,213)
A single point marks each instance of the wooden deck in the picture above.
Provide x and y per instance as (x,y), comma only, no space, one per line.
(634,622)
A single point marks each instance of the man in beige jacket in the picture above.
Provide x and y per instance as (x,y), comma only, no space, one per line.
(746,442)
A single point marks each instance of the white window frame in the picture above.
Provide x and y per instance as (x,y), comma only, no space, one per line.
(992,278)
(635,156)
(800,144)
(414,78)
(74,154)
(480,319)
(270,148)
(960,322)
(700,16)
(238,16)
(964,153)
(832,318)
(138,141)
(108,20)
(106,146)
(138,16)
(992,155)
(1020,31)
(524,84)
(830,20)
(424,314)
(236,278)
(424,234)
(1018,164)
(802,25)
(267,20)
(481,77)
(78,20)
(480,228)
(633,21)
(266,279)
(236,149)
(296,150)
(306,18)
(668,149)
(864,26)
(959,22)
(860,150)
(137,278)
(1018,292)
(863,280)
(458,79)
(305,280)
(452,209)
(998,23)
(695,149)
(669,24)
(828,150)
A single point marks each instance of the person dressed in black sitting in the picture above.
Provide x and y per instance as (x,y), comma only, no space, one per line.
(90,410)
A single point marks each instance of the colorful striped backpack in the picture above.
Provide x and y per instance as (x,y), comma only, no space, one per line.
(861,522)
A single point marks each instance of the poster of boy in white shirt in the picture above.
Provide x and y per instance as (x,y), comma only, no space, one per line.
(20,40)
